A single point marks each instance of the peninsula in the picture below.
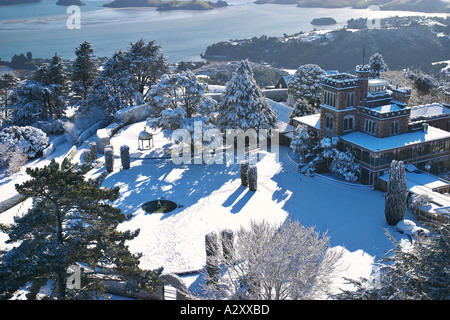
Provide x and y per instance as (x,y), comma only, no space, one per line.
(70,3)
(13,2)
(167,5)
(431,6)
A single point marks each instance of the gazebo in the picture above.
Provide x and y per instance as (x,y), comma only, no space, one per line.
(145,136)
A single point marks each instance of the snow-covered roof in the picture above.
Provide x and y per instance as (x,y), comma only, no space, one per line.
(378,82)
(283,112)
(312,120)
(420,182)
(387,108)
(376,144)
(429,111)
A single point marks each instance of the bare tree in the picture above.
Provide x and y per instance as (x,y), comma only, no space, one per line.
(276,262)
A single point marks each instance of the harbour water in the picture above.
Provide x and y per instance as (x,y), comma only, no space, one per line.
(183,35)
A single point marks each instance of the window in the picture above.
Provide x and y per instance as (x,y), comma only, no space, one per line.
(329,121)
(350,99)
(349,123)
(395,127)
(369,126)
(329,98)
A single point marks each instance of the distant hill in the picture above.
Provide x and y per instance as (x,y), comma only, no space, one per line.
(436,6)
(407,47)
(70,3)
(167,5)
(12,2)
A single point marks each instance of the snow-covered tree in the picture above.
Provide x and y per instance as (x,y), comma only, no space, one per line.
(31,141)
(302,108)
(301,142)
(145,61)
(377,65)
(418,273)
(71,222)
(127,77)
(344,164)
(85,70)
(305,84)
(276,262)
(43,97)
(397,193)
(181,91)
(8,82)
(243,105)
(418,200)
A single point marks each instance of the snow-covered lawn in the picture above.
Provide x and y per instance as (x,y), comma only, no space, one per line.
(211,198)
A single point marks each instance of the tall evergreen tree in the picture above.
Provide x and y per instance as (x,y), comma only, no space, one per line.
(70,223)
(243,105)
(7,84)
(305,84)
(397,193)
(145,61)
(84,70)
(127,77)
(377,65)
(43,97)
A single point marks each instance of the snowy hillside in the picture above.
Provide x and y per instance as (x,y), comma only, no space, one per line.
(211,198)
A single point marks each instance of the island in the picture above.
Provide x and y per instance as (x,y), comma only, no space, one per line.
(168,5)
(326,21)
(13,2)
(70,3)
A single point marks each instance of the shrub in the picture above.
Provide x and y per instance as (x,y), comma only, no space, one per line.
(252,177)
(125,156)
(109,159)
(244,171)
(31,141)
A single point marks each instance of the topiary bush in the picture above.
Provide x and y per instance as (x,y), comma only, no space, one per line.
(109,159)
(252,174)
(125,156)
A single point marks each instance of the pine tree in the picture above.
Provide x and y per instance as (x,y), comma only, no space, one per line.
(43,97)
(8,82)
(397,193)
(305,84)
(302,108)
(301,142)
(84,70)
(146,63)
(344,164)
(70,223)
(243,105)
(377,65)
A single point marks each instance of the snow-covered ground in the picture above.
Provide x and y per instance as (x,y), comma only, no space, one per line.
(211,198)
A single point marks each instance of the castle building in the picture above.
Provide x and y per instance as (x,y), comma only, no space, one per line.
(376,123)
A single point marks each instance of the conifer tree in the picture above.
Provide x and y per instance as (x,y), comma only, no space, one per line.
(43,97)
(70,223)
(7,84)
(243,105)
(84,70)
(377,65)
(397,193)
(305,84)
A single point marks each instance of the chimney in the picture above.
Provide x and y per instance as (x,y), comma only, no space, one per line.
(425,127)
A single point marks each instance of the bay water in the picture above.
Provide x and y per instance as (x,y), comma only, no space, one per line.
(182,34)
